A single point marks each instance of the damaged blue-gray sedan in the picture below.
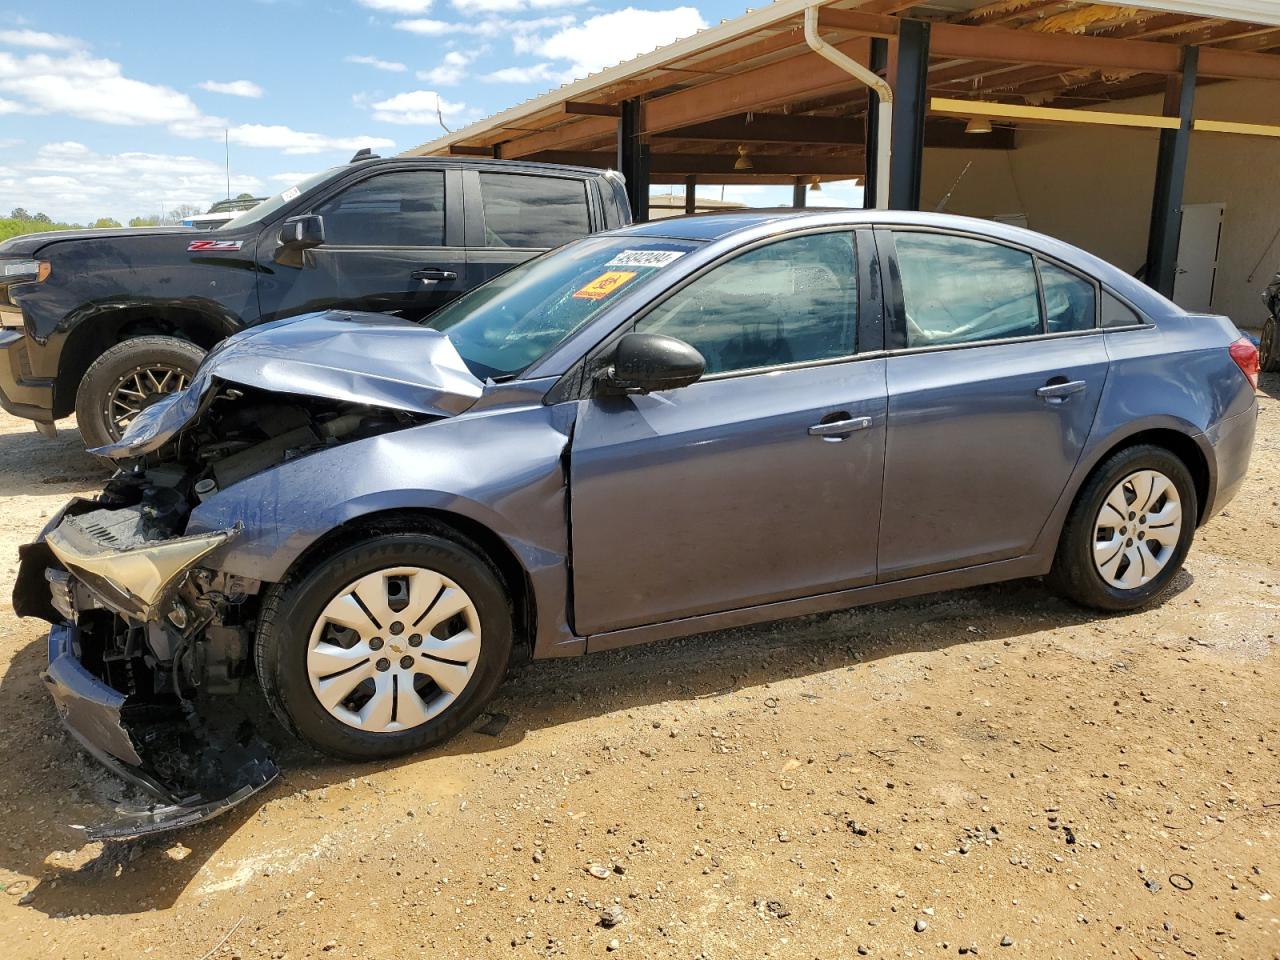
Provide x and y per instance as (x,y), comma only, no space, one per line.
(672,428)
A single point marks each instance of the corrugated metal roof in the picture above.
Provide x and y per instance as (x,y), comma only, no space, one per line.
(1264,12)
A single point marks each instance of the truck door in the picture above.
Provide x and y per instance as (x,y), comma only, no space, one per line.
(393,244)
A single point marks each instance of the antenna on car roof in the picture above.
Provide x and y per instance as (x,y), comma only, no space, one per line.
(364,153)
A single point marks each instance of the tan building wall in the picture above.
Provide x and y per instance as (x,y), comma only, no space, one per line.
(1092,186)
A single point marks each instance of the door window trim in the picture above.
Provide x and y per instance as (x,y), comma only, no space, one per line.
(478,206)
(895,318)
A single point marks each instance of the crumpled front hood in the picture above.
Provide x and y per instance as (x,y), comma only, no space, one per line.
(363,358)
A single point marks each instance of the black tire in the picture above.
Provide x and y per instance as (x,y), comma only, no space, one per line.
(291,609)
(1075,576)
(1269,346)
(116,365)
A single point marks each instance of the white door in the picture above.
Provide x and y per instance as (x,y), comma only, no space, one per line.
(1198,243)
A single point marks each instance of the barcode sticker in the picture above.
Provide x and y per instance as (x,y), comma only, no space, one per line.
(645,258)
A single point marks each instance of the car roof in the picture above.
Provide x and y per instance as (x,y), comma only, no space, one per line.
(745,226)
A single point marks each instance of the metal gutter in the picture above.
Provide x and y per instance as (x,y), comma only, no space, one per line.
(884,112)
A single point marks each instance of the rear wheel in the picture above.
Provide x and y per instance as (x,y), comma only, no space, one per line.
(1128,532)
(389,646)
(1269,346)
(127,379)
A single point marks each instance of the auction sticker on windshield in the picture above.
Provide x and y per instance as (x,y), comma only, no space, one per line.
(645,258)
(603,285)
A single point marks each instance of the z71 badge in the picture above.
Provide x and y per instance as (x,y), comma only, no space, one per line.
(204,246)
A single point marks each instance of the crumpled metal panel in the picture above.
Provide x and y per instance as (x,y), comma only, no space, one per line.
(365,358)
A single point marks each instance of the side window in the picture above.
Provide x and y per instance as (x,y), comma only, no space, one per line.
(1069,300)
(525,211)
(1117,314)
(961,290)
(788,302)
(389,210)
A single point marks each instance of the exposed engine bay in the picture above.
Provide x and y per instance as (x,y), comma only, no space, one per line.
(144,631)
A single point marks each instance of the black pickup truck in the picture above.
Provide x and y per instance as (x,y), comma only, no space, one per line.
(102,322)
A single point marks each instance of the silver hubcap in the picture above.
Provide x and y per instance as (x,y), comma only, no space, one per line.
(139,389)
(1137,529)
(394,649)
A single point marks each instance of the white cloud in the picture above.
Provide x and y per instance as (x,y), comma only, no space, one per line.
(279,137)
(290,179)
(538,73)
(70,182)
(78,85)
(450,72)
(417,108)
(391,66)
(10,106)
(397,6)
(233,88)
(427,27)
(612,38)
(510,6)
(91,89)
(37,40)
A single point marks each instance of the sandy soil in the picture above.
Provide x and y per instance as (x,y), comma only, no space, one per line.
(926,778)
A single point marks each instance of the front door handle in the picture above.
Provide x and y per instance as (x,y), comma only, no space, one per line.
(432,275)
(839,428)
(1059,391)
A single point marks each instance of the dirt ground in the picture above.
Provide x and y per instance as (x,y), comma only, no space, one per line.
(927,778)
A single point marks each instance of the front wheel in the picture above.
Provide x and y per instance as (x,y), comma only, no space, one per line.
(1128,531)
(126,379)
(387,647)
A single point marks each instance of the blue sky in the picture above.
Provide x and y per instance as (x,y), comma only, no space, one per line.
(112,108)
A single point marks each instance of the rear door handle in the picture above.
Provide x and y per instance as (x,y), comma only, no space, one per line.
(433,275)
(1061,391)
(839,428)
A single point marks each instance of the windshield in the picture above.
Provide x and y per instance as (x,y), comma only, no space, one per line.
(506,324)
(267,207)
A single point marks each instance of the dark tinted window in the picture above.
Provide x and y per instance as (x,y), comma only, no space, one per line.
(523,211)
(1069,301)
(1117,314)
(789,302)
(960,290)
(389,210)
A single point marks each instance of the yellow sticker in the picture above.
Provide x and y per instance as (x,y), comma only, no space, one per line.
(603,285)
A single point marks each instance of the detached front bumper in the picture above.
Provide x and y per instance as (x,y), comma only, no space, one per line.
(21,393)
(95,714)
(117,701)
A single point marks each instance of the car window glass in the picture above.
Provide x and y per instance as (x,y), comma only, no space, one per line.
(523,211)
(788,302)
(390,210)
(1069,301)
(961,290)
(1117,314)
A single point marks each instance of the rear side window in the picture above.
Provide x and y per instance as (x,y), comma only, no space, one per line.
(1117,314)
(962,290)
(390,210)
(532,212)
(1069,300)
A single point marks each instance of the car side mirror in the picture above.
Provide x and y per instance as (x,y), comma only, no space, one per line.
(298,234)
(644,362)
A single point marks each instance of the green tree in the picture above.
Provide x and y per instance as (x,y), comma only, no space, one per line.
(19,213)
(144,222)
(182,211)
(106,222)
(245,196)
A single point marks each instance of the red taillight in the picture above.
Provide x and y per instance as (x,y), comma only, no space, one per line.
(1245,354)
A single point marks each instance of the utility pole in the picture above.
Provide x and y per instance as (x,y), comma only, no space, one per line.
(226,140)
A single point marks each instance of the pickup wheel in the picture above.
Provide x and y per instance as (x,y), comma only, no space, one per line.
(386,647)
(129,377)
(1269,348)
